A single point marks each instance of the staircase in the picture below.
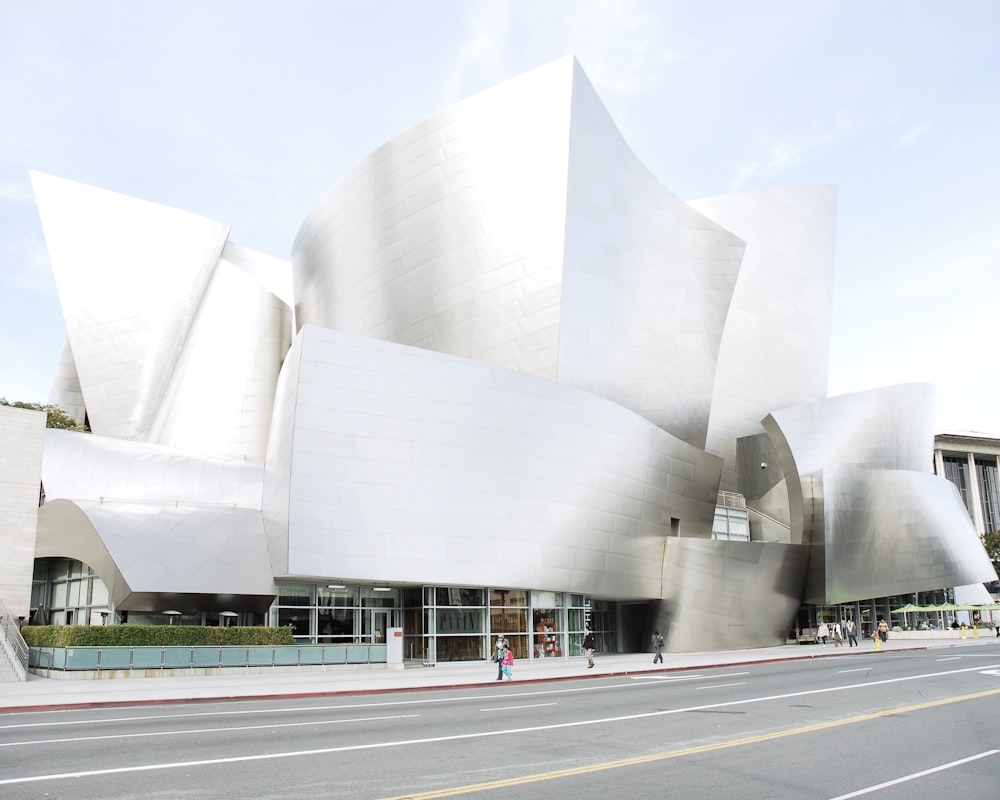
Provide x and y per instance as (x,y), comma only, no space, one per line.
(13,650)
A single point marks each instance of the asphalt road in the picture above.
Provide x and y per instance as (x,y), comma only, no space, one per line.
(912,725)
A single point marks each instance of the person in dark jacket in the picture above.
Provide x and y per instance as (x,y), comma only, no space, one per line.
(589,645)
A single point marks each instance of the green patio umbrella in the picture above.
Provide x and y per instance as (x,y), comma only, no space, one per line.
(910,607)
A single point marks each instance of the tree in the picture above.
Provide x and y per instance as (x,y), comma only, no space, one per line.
(55,416)
(991,541)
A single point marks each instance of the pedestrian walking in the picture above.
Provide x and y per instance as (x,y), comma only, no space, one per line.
(883,630)
(589,645)
(823,632)
(657,647)
(498,653)
(838,636)
(507,664)
(852,633)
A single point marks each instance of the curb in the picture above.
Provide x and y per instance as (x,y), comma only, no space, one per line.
(94,704)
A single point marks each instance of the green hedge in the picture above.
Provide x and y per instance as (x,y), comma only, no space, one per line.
(151,636)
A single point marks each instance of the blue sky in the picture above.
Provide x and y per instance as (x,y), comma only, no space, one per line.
(245,111)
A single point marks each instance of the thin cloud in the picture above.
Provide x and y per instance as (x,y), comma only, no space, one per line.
(913,134)
(623,48)
(795,149)
(16,192)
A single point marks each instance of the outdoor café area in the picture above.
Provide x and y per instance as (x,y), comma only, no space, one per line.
(944,616)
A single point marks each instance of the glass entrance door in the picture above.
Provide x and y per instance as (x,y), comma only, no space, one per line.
(376,624)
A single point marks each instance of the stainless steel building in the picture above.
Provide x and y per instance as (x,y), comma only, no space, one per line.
(507,382)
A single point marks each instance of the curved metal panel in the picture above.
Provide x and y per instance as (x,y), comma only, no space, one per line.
(83,466)
(154,315)
(776,344)
(518,229)
(450,236)
(729,595)
(235,345)
(862,496)
(647,282)
(886,428)
(168,550)
(893,531)
(129,275)
(412,466)
(64,531)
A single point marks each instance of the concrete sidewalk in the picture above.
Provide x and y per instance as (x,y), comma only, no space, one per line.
(39,693)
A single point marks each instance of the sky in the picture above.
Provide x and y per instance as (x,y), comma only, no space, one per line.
(246,111)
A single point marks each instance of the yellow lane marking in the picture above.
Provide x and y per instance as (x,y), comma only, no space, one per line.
(688,751)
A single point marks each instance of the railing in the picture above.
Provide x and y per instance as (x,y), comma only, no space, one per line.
(731,500)
(13,642)
(204,657)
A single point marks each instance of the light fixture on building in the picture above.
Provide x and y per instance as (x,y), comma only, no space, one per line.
(171,615)
(336,585)
(381,588)
(227,618)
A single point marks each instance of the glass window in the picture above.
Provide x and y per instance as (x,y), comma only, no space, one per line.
(547,624)
(338,598)
(99,593)
(461,648)
(335,624)
(297,619)
(295,594)
(956,470)
(989,493)
(508,597)
(455,620)
(551,599)
(446,596)
(508,620)
(60,570)
(731,524)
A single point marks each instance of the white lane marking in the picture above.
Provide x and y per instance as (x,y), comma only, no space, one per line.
(845,671)
(680,678)
(991,672)
(516,708)
(268,726)
(719,686)
(952,658)
(344,707)
(915,775)
(466,736)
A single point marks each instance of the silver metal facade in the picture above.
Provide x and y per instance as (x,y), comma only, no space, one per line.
(416,467)
(155,523)
(517,359)
(863,499)
(782,304)
(158,308)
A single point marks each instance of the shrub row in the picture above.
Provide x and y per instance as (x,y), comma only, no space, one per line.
(152,636)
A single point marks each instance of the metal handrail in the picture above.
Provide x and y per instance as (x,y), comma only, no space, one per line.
(14,642)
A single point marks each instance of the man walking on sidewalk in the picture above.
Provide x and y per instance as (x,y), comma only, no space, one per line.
(658,647)
(589,645)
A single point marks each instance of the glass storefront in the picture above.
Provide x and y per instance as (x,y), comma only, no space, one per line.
(331,615)
(443,624)
(67,592)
